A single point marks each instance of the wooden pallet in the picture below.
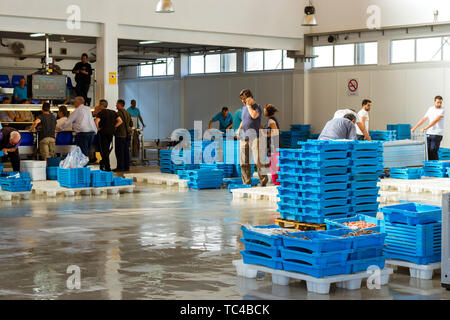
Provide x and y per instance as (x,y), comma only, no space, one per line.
(301,226)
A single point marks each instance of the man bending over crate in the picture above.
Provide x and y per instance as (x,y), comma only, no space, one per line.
(9,144)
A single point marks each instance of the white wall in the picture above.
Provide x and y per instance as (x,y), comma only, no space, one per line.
(164,101)
(335,15)
(159,103)
(400,94)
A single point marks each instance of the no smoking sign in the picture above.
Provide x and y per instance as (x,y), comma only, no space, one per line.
(352,87)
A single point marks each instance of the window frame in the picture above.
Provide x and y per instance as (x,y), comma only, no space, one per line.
(264,62)
(204,64)
(158,76)
(441,60)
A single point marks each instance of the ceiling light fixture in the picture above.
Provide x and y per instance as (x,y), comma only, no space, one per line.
(37,35)
(310,18)
(149,42)
(164,6)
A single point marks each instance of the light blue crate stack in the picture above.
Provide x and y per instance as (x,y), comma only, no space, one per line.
(387,135)
(444,154)
(16,182)
(406,173)
(436,168)
(402,131)
(205,178)
(413,232)
(365,170)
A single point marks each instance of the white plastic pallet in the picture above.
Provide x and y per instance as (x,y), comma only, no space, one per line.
(52,188)
(8,196)
(389,196)
(419,271)
(257,193)
(316,285)
(158,178)
(435,186)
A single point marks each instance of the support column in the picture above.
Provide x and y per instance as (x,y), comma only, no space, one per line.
(107,61)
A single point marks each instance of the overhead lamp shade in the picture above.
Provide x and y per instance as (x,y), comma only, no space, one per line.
(164,6)
(310,18)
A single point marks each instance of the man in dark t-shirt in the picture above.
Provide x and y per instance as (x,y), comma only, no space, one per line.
(83,73)
(47,133)
(107,121)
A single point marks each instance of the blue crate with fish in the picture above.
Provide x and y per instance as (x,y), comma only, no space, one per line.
(267,235)
(314,242)
(361,238)
(261,259)
(378,224)
(74,177)
(101,178)
(412,213)
(119,181)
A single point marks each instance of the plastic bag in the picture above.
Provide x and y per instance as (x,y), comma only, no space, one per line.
(75,159)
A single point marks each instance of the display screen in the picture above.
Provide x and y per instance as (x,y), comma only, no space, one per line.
(48,87)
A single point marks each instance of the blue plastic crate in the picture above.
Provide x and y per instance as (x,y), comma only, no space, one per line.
(363,200)
(437,164)
(412,213)
(365,170)
(339,223)
(290,201)
(292,210)
(325,146)
(356,185)
(359,208)
(286,177)
(292,154)
(326,163)
(364,264)
(324,171)
(419,240)
(370,213)
(74,177)
(324,204)
(414,259)
(289,215)
(315,258)
(101,178)
(367,253)
(322,156)
(365,192)
(252,258)
(119,181)
(290,193)
(256,247)
(361,241)
(335,178)
(238,186)
(52,173)
(326,195)
(325,187)
(326,212)
(2,165)
(291,170)
(406,176)
(365,146)
(434,173)
(365,177)
(254,236)
(295,186)
(367,154)
(53,162)
(317,271)
(315,242)
(306,128)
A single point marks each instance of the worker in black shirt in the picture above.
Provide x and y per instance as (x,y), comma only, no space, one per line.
(83,73)
(107,121)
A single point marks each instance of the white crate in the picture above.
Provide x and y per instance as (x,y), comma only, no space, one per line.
(36,174)
(25,164)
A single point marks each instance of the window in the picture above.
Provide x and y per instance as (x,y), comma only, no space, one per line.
(367,53)
(266,60)
(229,61)
(344,55)
(325,56)
(254,60)
(160,67)
(429,49)
(403,51)
(212,63)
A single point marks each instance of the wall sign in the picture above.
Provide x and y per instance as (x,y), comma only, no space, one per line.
(353,87)
(112,78)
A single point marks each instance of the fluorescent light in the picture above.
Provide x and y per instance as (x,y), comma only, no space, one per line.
(37,35)
(149,42)
(164,6)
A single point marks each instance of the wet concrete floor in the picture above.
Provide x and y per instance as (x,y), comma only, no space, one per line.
(158,243)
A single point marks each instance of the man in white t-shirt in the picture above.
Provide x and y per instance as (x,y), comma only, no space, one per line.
(435,128)
(341,114)
(363,115)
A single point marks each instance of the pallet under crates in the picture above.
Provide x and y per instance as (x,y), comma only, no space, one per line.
(419,271)
(316,285)
(302,226)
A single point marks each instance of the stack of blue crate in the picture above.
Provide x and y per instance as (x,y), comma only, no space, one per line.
(365,171)
(413,232)
(436,168)
(17,182)
(314,136)
(205,179)
(403,131)
(52,168)
(165,161)
(406,173)
(388,135)
(444,154)
(227,169)
(101,178)
(299,133)
(285,137)
(262,246)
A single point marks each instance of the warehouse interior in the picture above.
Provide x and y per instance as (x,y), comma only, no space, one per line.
(163,226)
